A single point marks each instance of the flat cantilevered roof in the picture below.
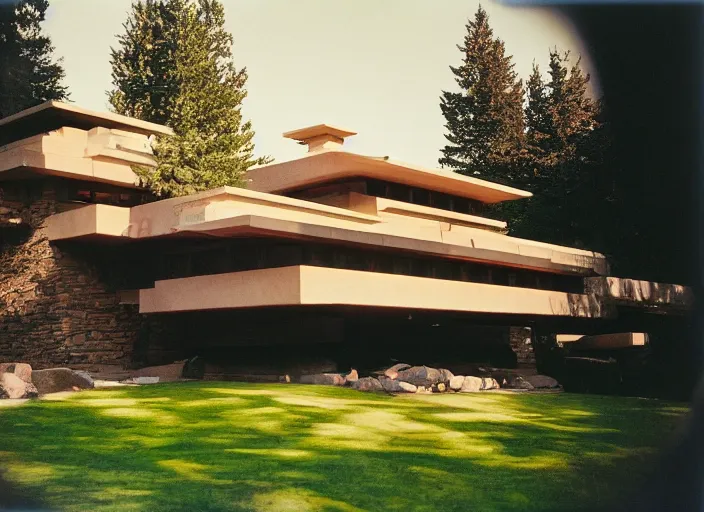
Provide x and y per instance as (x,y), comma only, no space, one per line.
(53,115)
(317,168)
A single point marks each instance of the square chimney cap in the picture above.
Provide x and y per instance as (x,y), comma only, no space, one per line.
(311,132)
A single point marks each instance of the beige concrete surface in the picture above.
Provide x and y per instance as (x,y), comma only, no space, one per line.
(319,286)
(604,341)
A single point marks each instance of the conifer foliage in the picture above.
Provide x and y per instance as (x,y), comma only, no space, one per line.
(484,121)
(29,74)
(174,66)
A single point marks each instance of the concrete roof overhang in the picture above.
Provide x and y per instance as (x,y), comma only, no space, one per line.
(330,165)
(53,115)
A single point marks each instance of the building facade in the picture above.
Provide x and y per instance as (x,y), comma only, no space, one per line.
(334,253)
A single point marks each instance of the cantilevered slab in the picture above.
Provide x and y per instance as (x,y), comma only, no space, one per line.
(603,341)
(52,115)
(320,286)
(319,167)
(233,212)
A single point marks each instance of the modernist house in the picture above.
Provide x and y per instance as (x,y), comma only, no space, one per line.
(333,249)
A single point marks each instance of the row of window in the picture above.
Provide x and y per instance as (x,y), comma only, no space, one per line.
(395,191)
(243,255)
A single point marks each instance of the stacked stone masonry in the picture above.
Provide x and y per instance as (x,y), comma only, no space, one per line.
(54,307)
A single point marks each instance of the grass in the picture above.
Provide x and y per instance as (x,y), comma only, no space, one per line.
(230,446)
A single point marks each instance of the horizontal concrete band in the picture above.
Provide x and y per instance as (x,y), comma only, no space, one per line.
(318,286)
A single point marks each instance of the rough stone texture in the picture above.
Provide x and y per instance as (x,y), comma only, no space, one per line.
(55,308)
(474,384)
(456,382)
(439,388)
(446,375)
(516,382)
(489,383)
(397,386)
(520,340)
(21,370)
(351,377)
(327,379)
(542,382)
(471,384)
(392,373)
(421,376)
(407,387)
(60,379)
(368,384)
(11,386)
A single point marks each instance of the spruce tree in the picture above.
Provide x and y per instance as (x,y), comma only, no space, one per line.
(566,143)
(484,121)
(29,74)
(174,66)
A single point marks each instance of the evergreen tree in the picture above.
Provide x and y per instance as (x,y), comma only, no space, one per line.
(29,75)
(566,143)
(485,120)
(174,66)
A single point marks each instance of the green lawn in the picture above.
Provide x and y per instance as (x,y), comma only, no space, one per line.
(230,446)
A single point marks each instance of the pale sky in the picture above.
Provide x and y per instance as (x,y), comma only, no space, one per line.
(376,67)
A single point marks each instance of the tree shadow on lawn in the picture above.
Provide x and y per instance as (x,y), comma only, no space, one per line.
(230,446)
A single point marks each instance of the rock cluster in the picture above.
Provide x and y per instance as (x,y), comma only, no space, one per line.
(404,378)
(18,380)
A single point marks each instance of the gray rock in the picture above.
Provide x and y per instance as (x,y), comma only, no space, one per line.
(516,382)
(456,382)
(489,383)
(326,379)
(351,377)
(542,382)
(446,375)
(471,384)
(367,384)
(11,386)
(392,373)
(397,386)
(60,379)
(22,370)
(421,376)
(407,387)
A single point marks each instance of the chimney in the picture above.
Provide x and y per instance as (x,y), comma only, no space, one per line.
(320,137)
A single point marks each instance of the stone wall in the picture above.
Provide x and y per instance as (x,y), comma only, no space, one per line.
(520,339)
(55,309)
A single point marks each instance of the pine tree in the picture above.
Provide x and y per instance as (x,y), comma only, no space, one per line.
(175,66)
(29,75)
(485,120)
(143,66)
(566,144)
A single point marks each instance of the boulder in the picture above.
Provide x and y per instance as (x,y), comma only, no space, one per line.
(542,382)
(60,379)
(325,379)
(11,386)
(351,377)
(471,384)
(439,388)
(489,383)
(22,370)
(165,373)
(421,376)
(407,387)
(392,373)
(516,382)
(368,384)
(423,389)
(456,382)
(446,375)
(397,386)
